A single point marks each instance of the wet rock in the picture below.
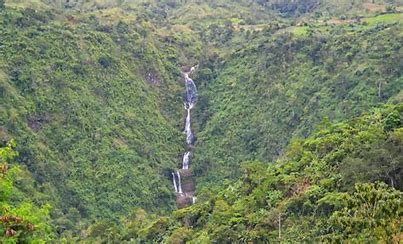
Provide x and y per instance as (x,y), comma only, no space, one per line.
(153,79)
(182,201)
(35,124)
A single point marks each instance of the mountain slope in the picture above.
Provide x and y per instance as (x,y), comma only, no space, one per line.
(282,85)
(91,91)
(94,113)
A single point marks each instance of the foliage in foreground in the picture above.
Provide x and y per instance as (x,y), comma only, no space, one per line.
(20,221)
(314,193)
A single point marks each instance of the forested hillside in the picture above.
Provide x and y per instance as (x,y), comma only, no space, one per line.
(282,85)
(314,193)
(298,121)
(93,114)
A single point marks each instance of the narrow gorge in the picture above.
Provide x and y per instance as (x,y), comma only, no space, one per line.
(182,178)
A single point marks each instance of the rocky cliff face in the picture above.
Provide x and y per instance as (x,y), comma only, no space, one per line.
(188,187)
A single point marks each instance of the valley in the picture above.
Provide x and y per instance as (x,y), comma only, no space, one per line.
(187,121)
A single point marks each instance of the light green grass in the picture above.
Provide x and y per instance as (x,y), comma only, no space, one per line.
(299,30)
(385,18)
(36,4)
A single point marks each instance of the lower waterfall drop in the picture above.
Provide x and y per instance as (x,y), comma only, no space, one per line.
(174,181)
(179,183)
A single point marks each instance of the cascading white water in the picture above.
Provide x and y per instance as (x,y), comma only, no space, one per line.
(185,162)
(174,181)
(190,101)
(191,98)
(191,91)
(188,131)
(179,183)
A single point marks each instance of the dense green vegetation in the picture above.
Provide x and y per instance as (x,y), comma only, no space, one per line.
(298,124)
(20,220)
(314,193)
(92,112)
(282,86)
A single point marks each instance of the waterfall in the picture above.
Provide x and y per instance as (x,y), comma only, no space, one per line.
(179,183)
(185,164)
(191,99)
(187,197)
(191,91)
(188,131)
(174,181)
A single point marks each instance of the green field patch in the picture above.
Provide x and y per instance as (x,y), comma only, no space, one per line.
(385,18)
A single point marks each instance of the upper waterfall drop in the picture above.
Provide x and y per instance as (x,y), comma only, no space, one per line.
(190,101)
(191,90)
